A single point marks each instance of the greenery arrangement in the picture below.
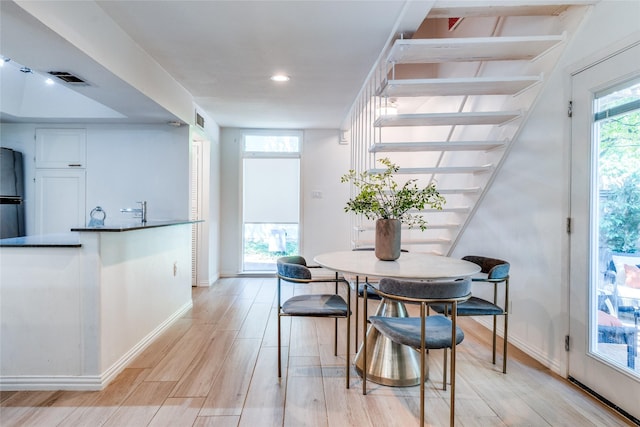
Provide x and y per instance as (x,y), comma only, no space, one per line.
(381,197)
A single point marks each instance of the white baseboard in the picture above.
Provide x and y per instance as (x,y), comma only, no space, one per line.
(534,352)
(57,382)
(208,283)
(89,382)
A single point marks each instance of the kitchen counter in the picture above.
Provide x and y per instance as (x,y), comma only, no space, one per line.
(76,307)
(72,239)
(62,240)
(133,226)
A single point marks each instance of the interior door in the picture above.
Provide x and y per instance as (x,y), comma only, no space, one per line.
(593,361)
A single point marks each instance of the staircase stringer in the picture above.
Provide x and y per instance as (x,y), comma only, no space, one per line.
(516,136)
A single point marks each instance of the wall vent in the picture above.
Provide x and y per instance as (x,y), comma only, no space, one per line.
(199,120)
(69,78)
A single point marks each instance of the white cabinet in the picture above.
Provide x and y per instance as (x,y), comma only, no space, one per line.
(61,148)
(60,180)
(60,200)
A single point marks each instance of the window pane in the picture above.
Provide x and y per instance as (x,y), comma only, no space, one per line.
(272,143)
(618,96)
(265,243)
(617,307)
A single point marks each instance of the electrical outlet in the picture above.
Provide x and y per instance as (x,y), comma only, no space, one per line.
(316,194)
(175,269)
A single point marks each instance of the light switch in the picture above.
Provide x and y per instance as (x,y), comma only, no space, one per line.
(316,194)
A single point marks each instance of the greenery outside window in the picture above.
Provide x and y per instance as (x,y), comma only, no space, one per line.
(617,126)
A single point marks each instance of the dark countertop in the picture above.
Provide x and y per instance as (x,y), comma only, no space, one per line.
(72,239)
(110,228)
(62,240)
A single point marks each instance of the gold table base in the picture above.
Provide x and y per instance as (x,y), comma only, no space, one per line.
(389,363)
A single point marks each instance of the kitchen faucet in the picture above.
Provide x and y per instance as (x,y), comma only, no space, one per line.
(138,213)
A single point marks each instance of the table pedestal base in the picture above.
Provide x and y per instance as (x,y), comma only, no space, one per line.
(389,363)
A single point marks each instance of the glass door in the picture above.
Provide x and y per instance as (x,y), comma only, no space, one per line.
(605,210)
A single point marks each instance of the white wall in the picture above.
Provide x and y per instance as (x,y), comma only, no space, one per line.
(131,163)
(125,164)
(230,196)
(522,218)
(325,226)
(213,220)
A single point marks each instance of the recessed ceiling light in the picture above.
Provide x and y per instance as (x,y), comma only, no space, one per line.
(280,78)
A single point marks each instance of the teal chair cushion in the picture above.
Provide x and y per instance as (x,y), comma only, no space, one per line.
(315,305)
(406,330)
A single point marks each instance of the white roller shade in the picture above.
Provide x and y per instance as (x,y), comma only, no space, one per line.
(271,190)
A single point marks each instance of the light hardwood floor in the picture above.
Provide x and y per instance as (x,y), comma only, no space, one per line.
(216,366)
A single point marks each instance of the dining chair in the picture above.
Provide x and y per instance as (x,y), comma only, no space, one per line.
(294,269)
(494,272)
(360,287)
(425,332)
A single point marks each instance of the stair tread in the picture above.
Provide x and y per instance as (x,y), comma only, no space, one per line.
(457,86)
(443,169)
(436,169)
(372,226)
(463,9)
(412,51)
(386,147)
(447,119)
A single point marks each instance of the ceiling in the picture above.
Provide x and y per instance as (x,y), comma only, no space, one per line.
(222,53)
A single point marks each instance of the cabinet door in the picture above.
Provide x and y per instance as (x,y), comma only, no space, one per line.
(61,148)
(60,200)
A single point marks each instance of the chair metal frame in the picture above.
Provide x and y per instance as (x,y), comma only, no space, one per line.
(424,304)
(359,291)
(505,308)
(489,266)
(337,279)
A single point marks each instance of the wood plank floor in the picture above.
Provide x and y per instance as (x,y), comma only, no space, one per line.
(216,366)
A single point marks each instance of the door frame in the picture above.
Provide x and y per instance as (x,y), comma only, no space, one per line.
(609,383)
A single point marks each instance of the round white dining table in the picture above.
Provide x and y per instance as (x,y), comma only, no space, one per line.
(410,265)
(390,363)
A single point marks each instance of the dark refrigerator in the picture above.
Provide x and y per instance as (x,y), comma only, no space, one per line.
(11,194)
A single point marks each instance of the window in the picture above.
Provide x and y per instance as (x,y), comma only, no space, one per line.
(271,198)
(617,135)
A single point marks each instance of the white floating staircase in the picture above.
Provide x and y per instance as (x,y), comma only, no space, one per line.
(447,103)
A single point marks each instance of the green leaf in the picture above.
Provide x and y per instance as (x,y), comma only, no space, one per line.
(380,196)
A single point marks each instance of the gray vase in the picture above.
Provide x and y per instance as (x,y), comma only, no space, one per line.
(388,239)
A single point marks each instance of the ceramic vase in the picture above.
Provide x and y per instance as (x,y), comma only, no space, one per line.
(388,239)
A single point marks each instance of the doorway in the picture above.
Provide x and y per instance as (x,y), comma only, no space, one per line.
(200,197)
(605,209)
